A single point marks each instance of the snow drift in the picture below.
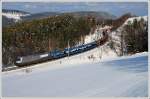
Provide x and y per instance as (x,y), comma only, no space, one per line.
(126,76)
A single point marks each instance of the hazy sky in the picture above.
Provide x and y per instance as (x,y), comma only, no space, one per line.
(115,8)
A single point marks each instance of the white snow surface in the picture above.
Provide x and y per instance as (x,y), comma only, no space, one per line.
(120,76)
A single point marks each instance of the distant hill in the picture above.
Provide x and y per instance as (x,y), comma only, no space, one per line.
(97,15)
(14,11)
(40,15)
(12,16)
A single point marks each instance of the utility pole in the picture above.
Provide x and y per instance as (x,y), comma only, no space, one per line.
(49,43)
(100,50)
(122,46)
(16,51)
(100,47)
(68,48)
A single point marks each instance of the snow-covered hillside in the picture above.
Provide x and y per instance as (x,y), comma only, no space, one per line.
(125,76)
(116,35)
(138,18)
(14,15)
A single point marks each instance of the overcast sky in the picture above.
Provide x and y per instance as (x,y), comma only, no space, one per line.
(115,8)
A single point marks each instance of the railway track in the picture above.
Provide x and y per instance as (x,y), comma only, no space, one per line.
(100,42)
(24,67)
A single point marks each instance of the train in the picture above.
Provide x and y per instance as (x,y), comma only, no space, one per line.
(57,54)
(53,55)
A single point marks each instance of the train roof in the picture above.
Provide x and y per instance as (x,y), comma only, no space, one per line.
(35,54)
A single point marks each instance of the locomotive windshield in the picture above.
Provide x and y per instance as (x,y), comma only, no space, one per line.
(19,60)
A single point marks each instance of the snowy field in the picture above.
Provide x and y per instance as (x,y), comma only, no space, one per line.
(126,76)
